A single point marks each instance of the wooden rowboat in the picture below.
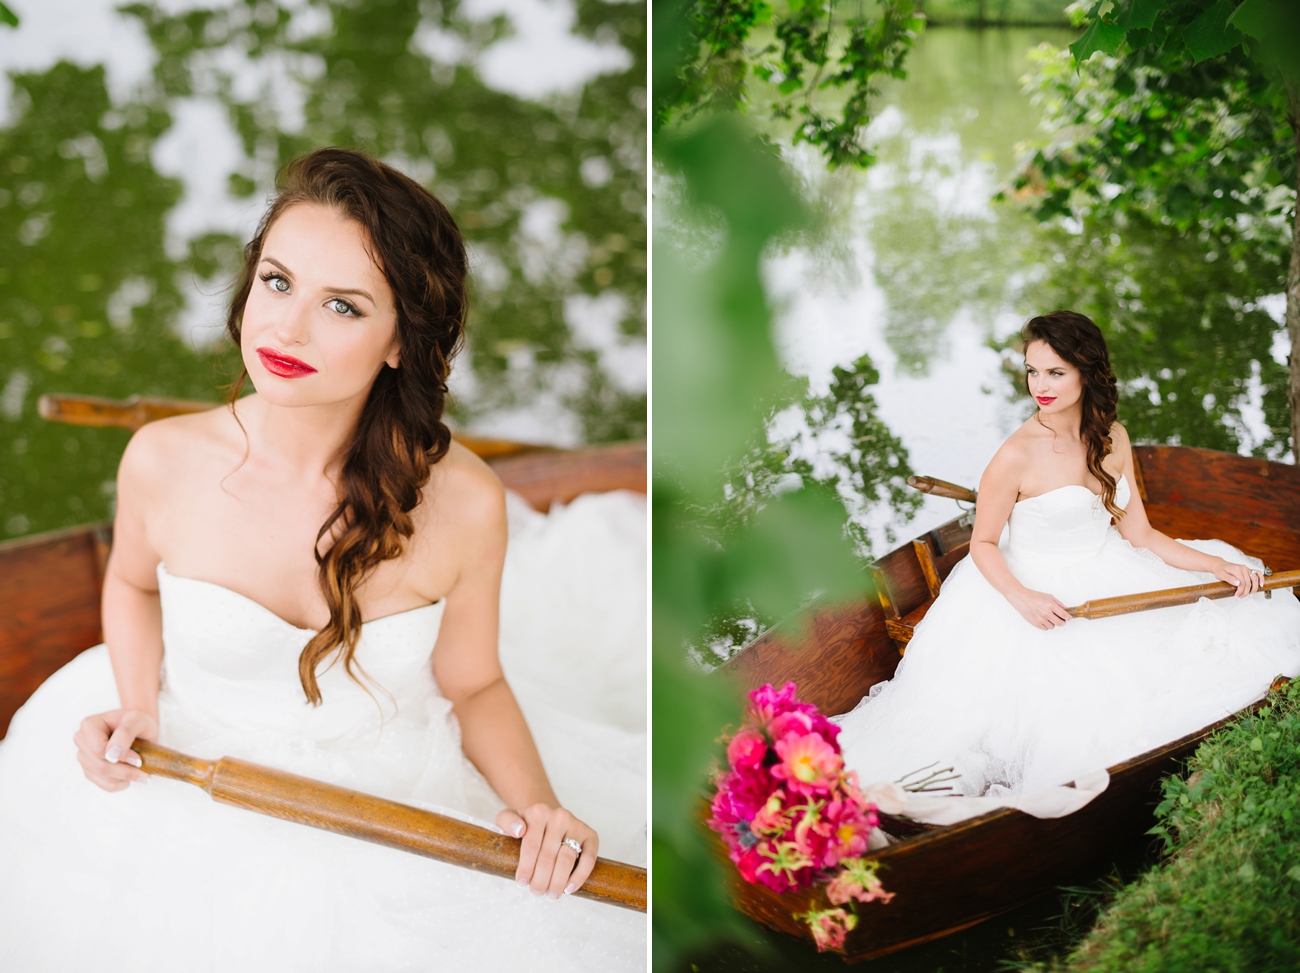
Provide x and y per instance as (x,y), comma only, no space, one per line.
(948,879)
(49,612)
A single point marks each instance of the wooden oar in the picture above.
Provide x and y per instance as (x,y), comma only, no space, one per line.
(1145,601)
(321,805)
(941,488)
(132,413)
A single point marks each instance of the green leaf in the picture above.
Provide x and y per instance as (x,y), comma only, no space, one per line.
(1101,36)
(1209,35)
(1252,18)
(1141,14)
(7,16)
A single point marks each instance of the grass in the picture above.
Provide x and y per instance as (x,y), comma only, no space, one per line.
(1227,896)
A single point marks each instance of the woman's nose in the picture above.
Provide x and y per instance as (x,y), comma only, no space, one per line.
(292,326)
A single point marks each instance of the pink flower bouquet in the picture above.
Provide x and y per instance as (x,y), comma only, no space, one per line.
(792,817)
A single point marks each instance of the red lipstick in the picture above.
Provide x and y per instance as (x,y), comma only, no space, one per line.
(1045,399)
(285,366)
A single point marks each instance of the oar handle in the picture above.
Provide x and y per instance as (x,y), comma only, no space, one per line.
(132,413)
(941,488)
(1169,597)
(320,805)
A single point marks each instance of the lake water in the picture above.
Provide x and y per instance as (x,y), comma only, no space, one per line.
(917,268)
(137,150)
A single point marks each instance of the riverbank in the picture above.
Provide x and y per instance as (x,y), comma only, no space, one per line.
(1227,897)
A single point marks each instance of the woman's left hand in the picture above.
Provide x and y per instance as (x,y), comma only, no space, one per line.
(546,864)
(1248,580)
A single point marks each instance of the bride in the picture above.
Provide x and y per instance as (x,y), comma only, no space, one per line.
(999,681)
(310,579)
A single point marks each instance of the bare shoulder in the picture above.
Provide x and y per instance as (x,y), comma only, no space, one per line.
(465,495)
(1014,455)
(176,447)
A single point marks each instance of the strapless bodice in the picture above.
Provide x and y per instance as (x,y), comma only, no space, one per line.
(1068,524)
(236,662)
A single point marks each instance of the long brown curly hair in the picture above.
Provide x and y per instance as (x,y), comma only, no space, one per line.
(1079,341)
(400,435)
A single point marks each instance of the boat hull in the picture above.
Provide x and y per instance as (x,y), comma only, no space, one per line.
(951,878)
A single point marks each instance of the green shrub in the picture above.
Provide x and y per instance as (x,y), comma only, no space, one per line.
(1227,898)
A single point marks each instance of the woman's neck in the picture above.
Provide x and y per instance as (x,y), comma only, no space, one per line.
(1066,423)
(302,441)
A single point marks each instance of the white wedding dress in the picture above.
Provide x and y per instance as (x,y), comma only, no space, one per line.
(160,879)
(1015,709)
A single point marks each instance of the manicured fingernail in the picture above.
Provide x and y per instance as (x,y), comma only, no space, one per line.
(518,829)
(536,892)
(522,883)
(142,780)
(113,754)
(133,758)
(570,888)
(552,895)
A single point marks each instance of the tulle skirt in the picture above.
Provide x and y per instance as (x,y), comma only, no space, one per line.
(1013,708)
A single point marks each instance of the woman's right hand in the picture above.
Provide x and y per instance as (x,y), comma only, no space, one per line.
(104,746)
(1039,609)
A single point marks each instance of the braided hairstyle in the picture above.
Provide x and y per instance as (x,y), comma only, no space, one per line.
(1076,339)
(400,434)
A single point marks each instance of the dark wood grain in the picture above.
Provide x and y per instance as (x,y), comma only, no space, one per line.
(1253,491)
(319,805)
(49,610)
(543,478)
(948,879)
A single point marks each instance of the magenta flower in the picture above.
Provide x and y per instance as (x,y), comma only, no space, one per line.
(809,765)
(747,750)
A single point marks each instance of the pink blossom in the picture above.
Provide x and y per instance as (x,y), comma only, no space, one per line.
(829,927)
(857,880)
(809,764)
(848,829)
(747,750)
(791,722)
(772,818)
(786,866)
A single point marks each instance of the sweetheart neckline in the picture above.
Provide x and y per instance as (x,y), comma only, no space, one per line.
(162,569)
(1123,477)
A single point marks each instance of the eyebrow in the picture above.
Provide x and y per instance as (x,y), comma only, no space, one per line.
(333,290)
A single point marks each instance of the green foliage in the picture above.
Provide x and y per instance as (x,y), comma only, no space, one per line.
(1228,897)
(1188,341)
(7,16)
(1159,137)
(802,60)
(715,368)
(87,291)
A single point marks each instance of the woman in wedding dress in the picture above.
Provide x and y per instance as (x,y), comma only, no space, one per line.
(310,579)
(999,681)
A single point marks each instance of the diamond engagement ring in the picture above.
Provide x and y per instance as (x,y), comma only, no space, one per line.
(572,843)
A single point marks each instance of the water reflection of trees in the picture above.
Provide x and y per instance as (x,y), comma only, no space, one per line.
(88,289)
(1189,341)
(835,442)
(551,197)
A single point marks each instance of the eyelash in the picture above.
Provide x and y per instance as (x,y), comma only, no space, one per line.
(350,311)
